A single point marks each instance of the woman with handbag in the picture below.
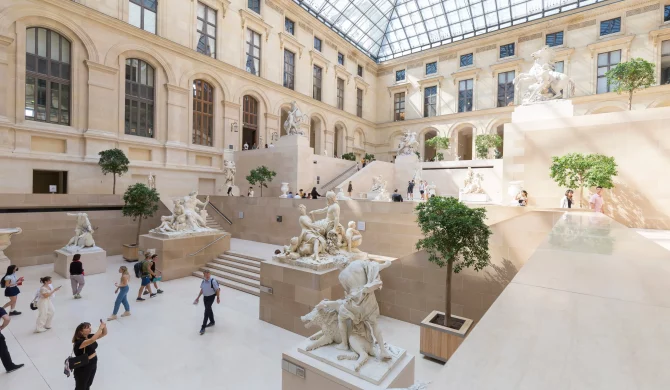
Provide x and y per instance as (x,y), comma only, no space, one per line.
(45,308)
(85,361)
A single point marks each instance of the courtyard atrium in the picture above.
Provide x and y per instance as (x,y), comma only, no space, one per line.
(354,194)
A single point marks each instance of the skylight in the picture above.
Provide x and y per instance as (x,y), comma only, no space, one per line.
(387,29)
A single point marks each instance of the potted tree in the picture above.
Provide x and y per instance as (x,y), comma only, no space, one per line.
(486,144)
(631,76)
(349,156)
(369,157)
(261,176)
(113,161)
(455,237)
(140,202)
(576,170)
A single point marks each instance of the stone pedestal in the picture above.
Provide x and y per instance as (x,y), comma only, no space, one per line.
(292,140)
(93,259)
(399,373)
(544,111)
(473,198)
(5,242)
(180,256)
(295,292)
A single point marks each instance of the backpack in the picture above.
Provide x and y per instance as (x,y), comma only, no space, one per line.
(138,269)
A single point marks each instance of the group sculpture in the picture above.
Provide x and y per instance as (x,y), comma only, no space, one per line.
(83,234)
(229,173)
(293,120)
(351,322)
(322,242)
(378,189)
(408,144)
(188,215)
(472,183)
(542,82)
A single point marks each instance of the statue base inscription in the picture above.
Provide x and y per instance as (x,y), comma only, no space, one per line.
(94,260)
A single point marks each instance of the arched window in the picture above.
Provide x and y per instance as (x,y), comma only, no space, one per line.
(203,113)
(250,121)
(47,76)
(139,98)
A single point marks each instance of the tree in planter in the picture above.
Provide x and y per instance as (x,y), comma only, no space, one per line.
(113,161)
(455,236)
(369,157)
(349,156)
(631,76)
(140,202)
(438,142)
(576,170)
(261,176)
(484,142)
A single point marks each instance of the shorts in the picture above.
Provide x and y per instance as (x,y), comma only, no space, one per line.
(421,192)
(146,280)
(12,291)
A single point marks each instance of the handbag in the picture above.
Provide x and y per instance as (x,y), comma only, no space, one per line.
(73,362)
(33,304)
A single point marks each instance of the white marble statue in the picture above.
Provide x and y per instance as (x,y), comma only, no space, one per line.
(321,242)
(408,144)
(189,215)
(431,189)
(152,181)
(378,184)
(293,120)
(542,82)
(83,233)
(229,171)
(472,183)
(341,195)
(351,322)
(383,196)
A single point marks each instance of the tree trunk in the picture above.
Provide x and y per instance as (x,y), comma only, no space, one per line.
(581,197)
(114,187)
(139,228)
(447,311)
(261,189)
(630,100)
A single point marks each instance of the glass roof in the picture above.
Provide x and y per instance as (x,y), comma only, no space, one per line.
(387,29)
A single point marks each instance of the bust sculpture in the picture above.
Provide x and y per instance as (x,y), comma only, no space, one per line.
(83,233)
(542,82)
(189,215)
(408,144)
(293,120)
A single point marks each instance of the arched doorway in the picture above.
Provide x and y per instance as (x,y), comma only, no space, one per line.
(464,143)
(339,146)
(429,152)
(315,131)
(250,121)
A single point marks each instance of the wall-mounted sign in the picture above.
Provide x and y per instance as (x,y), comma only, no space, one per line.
(53,189)
(360,225)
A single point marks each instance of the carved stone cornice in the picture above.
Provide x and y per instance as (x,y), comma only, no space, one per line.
(319,59)
(249,18)
(506,65)
(399,87)
(362,84)
(622,42)
(437,79)
(101,67)
(286,39)
(466,74)
(342,71)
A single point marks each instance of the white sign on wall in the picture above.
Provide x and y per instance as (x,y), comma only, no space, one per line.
(360,226)
(53,189)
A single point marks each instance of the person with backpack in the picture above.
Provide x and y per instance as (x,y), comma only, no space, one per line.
(155,278)
(10,283)
(209,288)
(122,289)
(146,274)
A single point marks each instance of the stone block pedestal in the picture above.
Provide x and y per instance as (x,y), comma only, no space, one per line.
(93,259)
(179,257)
(295,292)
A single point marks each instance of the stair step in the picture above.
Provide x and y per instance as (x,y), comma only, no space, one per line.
(244,256)
(241,260)
(236,271)
(241,266)
(232,277)
(232,284)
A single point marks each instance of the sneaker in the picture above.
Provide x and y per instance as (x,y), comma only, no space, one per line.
(14,313)
(152,295)
(125,314)
(40,330)
(202,331)
(139,299)
(146,293)
(111,318)
(159,291)
(210,324)
(16,367)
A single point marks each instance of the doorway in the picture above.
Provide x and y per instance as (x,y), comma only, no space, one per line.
(44,182)
(250,121)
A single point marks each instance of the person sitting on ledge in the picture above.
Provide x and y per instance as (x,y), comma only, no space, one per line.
(396,197)
(301,193)
(290,195)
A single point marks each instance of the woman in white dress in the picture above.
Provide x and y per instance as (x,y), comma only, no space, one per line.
(45,308)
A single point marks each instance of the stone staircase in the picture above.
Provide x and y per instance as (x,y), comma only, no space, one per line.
(212,224)
(235,270)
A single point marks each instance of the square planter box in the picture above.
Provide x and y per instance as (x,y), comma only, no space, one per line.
(131,252)
(439,342)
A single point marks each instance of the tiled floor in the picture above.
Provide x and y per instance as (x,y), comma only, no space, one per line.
(158,347)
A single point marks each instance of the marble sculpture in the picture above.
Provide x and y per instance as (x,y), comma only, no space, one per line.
(293,120)
(83,234)
(473,183)
(408,144)
(152,181)
(378,184)
(431,189)
(322,242)
(188,216)
(542,82)
(341,195)
(229,173)
(351,322)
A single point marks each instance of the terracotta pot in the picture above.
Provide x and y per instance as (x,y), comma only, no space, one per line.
(439,342)
(131,252)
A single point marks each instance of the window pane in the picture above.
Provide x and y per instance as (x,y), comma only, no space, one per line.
(65,104)
(431,68)
(602,59)
(201,11)
(135,15)
(211,16)
(150,76)
(41,100)
(151,4)
(615,57)
(143,73)
(65,51)
(558,67)
(30,41)
(42,42)
(602,85)
(149,21)
(30,97)
(55,46)
(53,109)
(133,117)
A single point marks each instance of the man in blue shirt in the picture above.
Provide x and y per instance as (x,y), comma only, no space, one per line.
(209,288)
(4,352)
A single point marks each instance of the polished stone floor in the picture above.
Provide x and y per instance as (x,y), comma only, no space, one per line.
(159,347)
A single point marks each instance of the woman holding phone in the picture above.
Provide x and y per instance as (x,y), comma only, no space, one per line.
(45,308)
(11,284)
(87,343)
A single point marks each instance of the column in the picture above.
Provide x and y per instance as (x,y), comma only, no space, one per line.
(177,126)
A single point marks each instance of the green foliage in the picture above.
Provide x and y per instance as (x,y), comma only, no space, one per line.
(486,141)
(113,161)
(455,236)
(438,142)
(369,157)
(576,170)
(349,156)
(140,202)
(631,76)
(418,155)
(439,156)
(261,176)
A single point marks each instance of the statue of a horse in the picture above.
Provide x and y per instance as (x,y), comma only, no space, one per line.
(542,82)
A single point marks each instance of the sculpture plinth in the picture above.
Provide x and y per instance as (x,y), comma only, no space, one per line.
(93,259)
(5,242)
